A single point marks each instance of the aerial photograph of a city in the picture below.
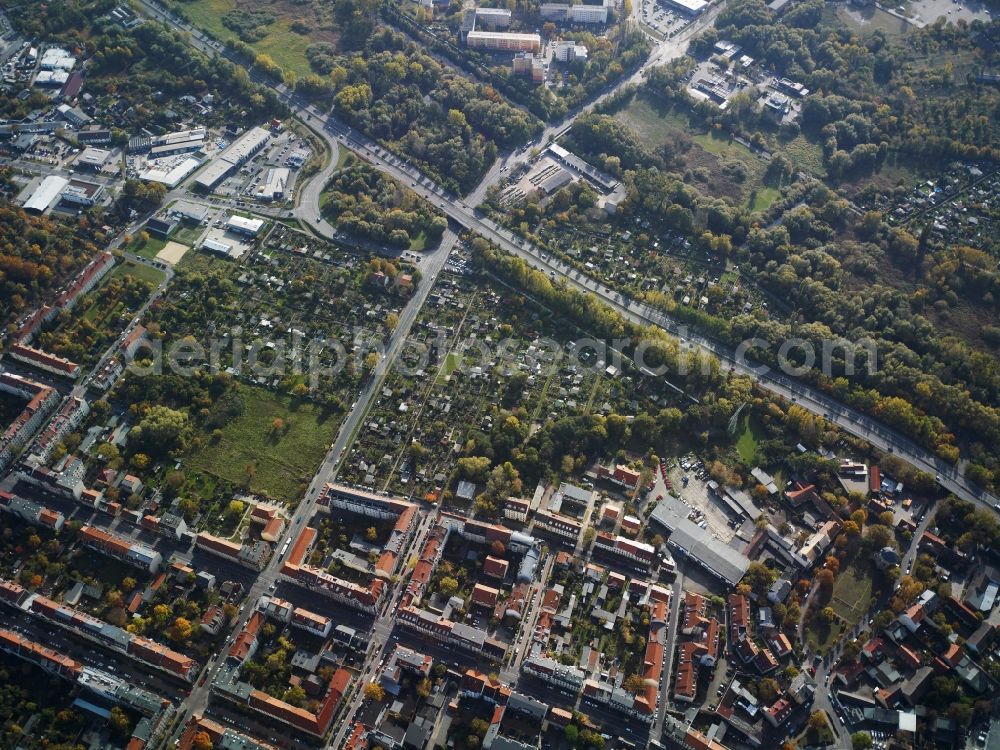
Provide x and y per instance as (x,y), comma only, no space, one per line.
(499,375)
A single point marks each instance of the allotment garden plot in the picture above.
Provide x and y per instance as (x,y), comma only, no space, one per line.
(494,368)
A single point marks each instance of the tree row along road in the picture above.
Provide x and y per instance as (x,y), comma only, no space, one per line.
(850,420)
(462,214)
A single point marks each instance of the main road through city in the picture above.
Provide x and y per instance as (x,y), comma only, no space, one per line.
(462,212)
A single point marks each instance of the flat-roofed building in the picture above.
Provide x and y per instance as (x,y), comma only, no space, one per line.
(82,193)
(566,13)
(215,246)
(169,173)
(689,7)
(93,158)
(493,18)
(31,512)
(496,41)
(243,225)
(273,186)
(234,155)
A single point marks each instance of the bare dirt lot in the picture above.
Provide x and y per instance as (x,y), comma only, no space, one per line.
(172,253)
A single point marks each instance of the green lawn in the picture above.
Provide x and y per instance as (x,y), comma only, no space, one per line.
(139,271)
(147,249)
(188,232)
(722,145)
(282,462)
(451,363)
(651,123)
(282,44)
(821,636)
(345,158)
(852,590)
(418,243)
(760,199)
(746,443)
(201,485)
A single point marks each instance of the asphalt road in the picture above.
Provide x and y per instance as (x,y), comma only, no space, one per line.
(433,263)
(850,420)
(669,652)
(463,213)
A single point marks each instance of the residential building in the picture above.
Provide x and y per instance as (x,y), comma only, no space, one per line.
(620,475)
(404,661)
(253,556)
(133,553)
(555,673)
(31,512)
(311,622)
(516,509)
(638,554)
(50,363)
(41,401)
(557,525)
(495,41)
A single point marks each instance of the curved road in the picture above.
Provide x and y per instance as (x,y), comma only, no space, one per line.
(848,419)
(462,212)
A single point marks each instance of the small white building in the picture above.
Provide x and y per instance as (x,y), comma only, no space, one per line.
(243,225)
(273,186)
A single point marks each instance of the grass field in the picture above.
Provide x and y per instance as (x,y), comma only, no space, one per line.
(721,145)
(852,591)
(746,443)
(822,635)
(700,149)
(147,249)
(283,45)
(282,462)
(140,271)
(451,363)
(200,260)
(760,199)
(866,20)
(805,155)
(418,243)
(187,232)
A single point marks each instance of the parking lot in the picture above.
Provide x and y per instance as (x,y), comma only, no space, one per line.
(661,19)
(285,149)
(707,511)
(929,11)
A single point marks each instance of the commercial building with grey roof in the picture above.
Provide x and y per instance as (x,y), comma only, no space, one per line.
(689,540)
